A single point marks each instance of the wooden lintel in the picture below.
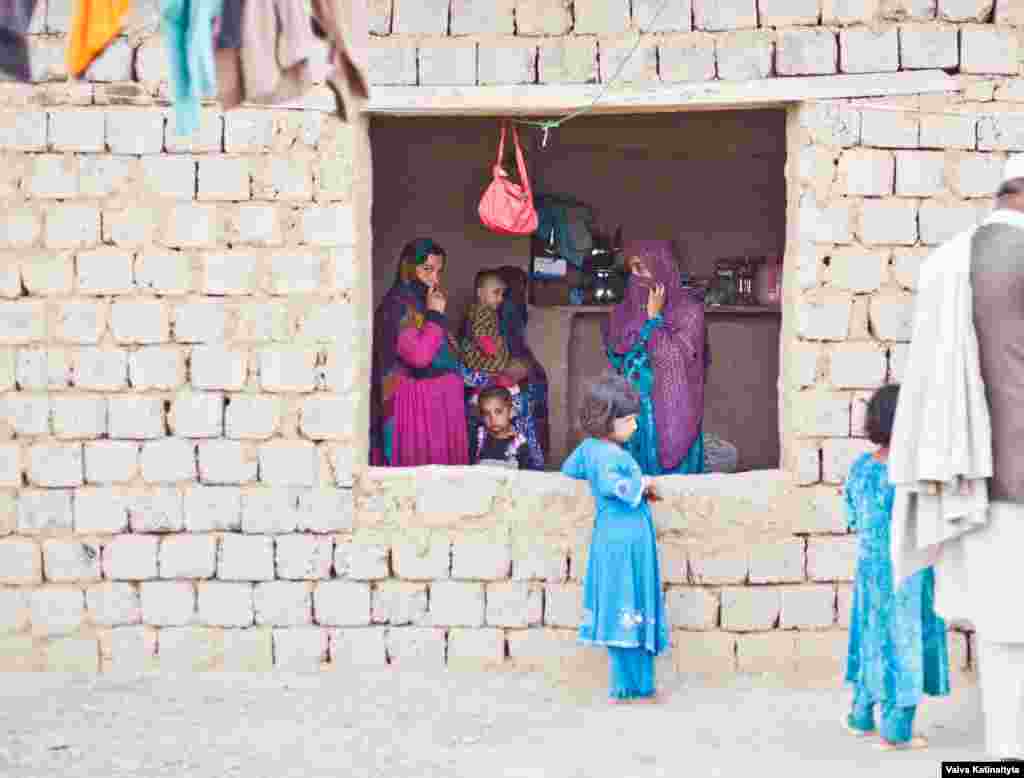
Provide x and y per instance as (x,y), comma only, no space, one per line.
(548,100)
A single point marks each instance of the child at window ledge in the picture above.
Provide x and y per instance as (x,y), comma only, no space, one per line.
(498,443)
(622,601)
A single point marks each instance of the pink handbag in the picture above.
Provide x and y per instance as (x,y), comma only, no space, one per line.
(507,207)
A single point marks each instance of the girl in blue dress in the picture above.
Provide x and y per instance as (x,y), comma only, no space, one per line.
(622,600)
(897,650)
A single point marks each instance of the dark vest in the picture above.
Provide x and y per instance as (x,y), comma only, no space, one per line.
(997,283)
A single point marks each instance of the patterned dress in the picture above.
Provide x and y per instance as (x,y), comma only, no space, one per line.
(897,647)
(622,601)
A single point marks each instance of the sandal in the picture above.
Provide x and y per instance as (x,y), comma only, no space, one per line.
(917,741)
(845,722)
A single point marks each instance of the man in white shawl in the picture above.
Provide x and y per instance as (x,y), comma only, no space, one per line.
(957,454)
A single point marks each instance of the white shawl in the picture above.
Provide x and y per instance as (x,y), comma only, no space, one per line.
(940,456)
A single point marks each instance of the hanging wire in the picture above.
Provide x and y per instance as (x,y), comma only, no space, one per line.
(553,124)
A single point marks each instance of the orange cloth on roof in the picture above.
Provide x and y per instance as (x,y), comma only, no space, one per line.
(94,25)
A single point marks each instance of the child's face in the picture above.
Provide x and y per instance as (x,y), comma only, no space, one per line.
(624,428)
(491,294)
(497,415)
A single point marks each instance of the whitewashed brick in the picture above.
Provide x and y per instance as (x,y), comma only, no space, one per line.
(328,323)
(920,173)
(76,131)
(823,413)
(342,464)
(158,510)
(416,647)
(21,227)
(129,649)
(190,649)
(328,226)
(23,130)
(102,176)
(691,608)
(131,227)
(867,172)
(226,462)
(728,15)
(940,222)
(252,417)
(270,511)
(456,604)
(27,414)
(225,604)
(171,177)
(168,460)
(81,322)
(887,128)
(342,603)
(208,138)
(166,273)
(327,417)
(233,273)
(48,274)
(66,561)
(906,265)
(806,52)
(361,561)
(168,603)
(224,178)
(482,561)
(262,323)
(213,509)
(888,221)
(136,417)
(113,604)
(412,562)
(288,463)
(283,603)
(44,511)
(52,176)
(191,226)
(977,175)
(100,369)
(338,375)
(197,415)
(844,598)
(10,465)
(72,226)
(287,370)
(39,369)
(57,610)
(55,465)
(399,603)
(326,510)
(299,649)
(831,558)
(200,322)
(751,609)
(140,321)
(216,367)
(258,225)
(246,558)
(105,272)
(825,319)
(188,556)
(100,511)
(21,562)
(517,604)
(131,558)
(304,557)
(857,365)
(927,46)
(8,369)
(868,50)
(358,647)
(295,273)
(156,367)
(511,63)
(807,607)
(777,562)
(989,50)
(133,131)
(79,416)
(856,270)
(22,322)
(248,131)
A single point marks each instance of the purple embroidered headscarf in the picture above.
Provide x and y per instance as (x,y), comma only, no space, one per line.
(676,348)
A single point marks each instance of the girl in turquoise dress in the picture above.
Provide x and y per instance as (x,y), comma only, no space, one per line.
(622,600)
(897,650)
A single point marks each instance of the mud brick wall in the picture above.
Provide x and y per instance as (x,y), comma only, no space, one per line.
(184,351)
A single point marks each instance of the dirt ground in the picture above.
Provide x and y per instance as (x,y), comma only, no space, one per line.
(435,724)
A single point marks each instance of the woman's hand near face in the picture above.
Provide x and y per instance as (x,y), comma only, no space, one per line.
(655,301)
(436,300)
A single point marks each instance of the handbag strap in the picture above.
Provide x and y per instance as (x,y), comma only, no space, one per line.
(524,180)
(501,146)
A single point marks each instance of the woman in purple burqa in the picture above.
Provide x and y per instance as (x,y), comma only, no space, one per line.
(418,411)
(657,339)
